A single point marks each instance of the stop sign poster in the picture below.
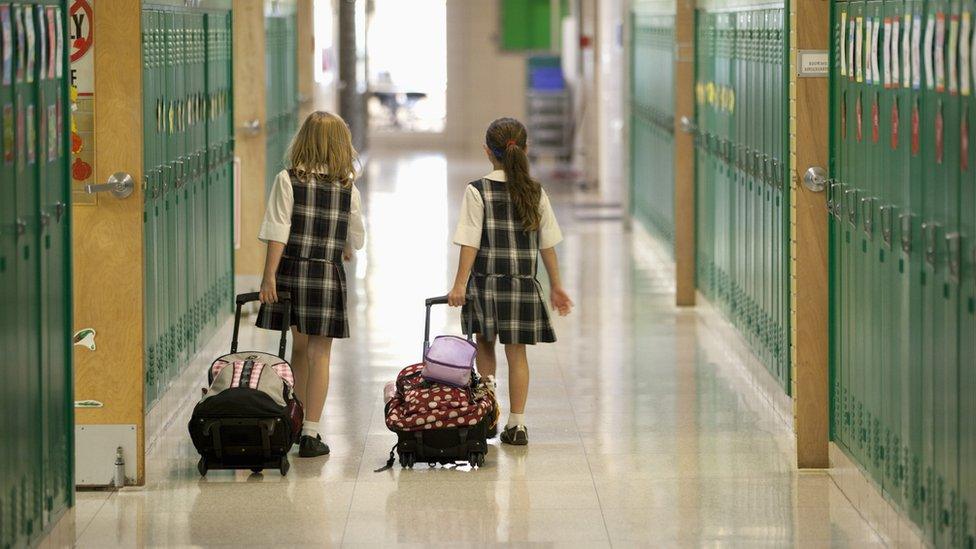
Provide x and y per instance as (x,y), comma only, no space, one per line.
(81,48)
(81,36)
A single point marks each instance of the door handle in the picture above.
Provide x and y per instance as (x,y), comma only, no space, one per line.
(252,127)
(815,179)
(120,184)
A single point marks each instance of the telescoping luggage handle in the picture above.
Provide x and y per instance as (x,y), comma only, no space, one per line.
(284,298)
(442,300)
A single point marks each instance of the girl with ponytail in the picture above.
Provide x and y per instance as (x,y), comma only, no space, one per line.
(506,223)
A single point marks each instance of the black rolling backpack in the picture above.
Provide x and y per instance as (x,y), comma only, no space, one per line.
(249,416)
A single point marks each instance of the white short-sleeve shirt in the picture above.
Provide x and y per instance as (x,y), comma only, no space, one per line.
(277,217)
(468,232)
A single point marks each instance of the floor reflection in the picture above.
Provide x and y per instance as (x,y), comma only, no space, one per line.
(644,429)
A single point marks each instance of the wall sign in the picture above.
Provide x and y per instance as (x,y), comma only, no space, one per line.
(81,45)
(812,63)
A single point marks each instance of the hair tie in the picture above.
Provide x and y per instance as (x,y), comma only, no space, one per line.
(511,143)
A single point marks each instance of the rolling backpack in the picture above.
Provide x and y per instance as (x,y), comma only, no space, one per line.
(249,417)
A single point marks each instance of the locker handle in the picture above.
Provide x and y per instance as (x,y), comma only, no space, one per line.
(867,207)
(45,219)
(179,178)
(59,208)
(930,230)
(20,227)
(831,192)
(906,232)
(886,229)
(850,194)
(954,249)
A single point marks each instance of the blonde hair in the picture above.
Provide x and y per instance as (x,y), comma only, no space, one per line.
(324,144)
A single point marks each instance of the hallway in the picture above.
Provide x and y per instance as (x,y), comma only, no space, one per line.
(646,426)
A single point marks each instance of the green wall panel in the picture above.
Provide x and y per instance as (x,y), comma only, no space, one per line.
(188,202)
(902,255)
(36,458)
(652,122)
(742,202)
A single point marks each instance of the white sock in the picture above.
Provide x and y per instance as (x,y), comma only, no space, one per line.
(515,419)
(310,428)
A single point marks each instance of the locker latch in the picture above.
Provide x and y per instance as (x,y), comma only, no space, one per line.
(867,207)
(954,249)
(905,220)
(886,228)
(929,233)
(850,195)
(831,192)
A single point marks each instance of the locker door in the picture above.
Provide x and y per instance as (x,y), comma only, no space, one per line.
(27,302)
(11,391)
(967,302)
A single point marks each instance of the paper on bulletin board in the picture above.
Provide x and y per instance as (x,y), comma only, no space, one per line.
(81,36)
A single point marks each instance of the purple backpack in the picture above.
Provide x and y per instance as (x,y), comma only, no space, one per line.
(448,359)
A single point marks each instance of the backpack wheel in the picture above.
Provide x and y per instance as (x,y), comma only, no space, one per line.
(284,466)
(476,459)
(407,460)
(202,466)
(256,470)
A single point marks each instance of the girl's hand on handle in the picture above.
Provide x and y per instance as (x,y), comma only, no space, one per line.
(269,291)
(560,300)
(456,297)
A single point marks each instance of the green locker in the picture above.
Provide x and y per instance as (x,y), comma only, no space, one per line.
(188,152)
(966,509)
(901,205)
(652,121)
(742,232)
(37,486)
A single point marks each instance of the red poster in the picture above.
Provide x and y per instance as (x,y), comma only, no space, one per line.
(857,114)
(915,132)
(939,136)
(875,121)
(895,123)
(964,140)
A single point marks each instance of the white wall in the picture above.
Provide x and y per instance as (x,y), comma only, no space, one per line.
(611,87)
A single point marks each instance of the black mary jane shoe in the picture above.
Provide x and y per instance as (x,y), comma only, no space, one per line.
(516,435)
(312,446)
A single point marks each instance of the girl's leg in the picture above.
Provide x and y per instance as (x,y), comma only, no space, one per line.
(319,353)
(518,377)
(486,356)
(299,363)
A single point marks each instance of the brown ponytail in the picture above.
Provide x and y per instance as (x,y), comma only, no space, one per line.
(506,138)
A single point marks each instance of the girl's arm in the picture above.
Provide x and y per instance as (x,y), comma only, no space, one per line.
(457,295)
(269,288)
(557,295)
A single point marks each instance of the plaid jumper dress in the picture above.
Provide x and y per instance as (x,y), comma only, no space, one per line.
(311,267)
(503,293)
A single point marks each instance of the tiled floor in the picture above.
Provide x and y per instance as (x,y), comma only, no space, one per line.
(645,429)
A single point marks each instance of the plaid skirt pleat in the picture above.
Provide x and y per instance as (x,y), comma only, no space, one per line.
(318,295)
(508,307)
